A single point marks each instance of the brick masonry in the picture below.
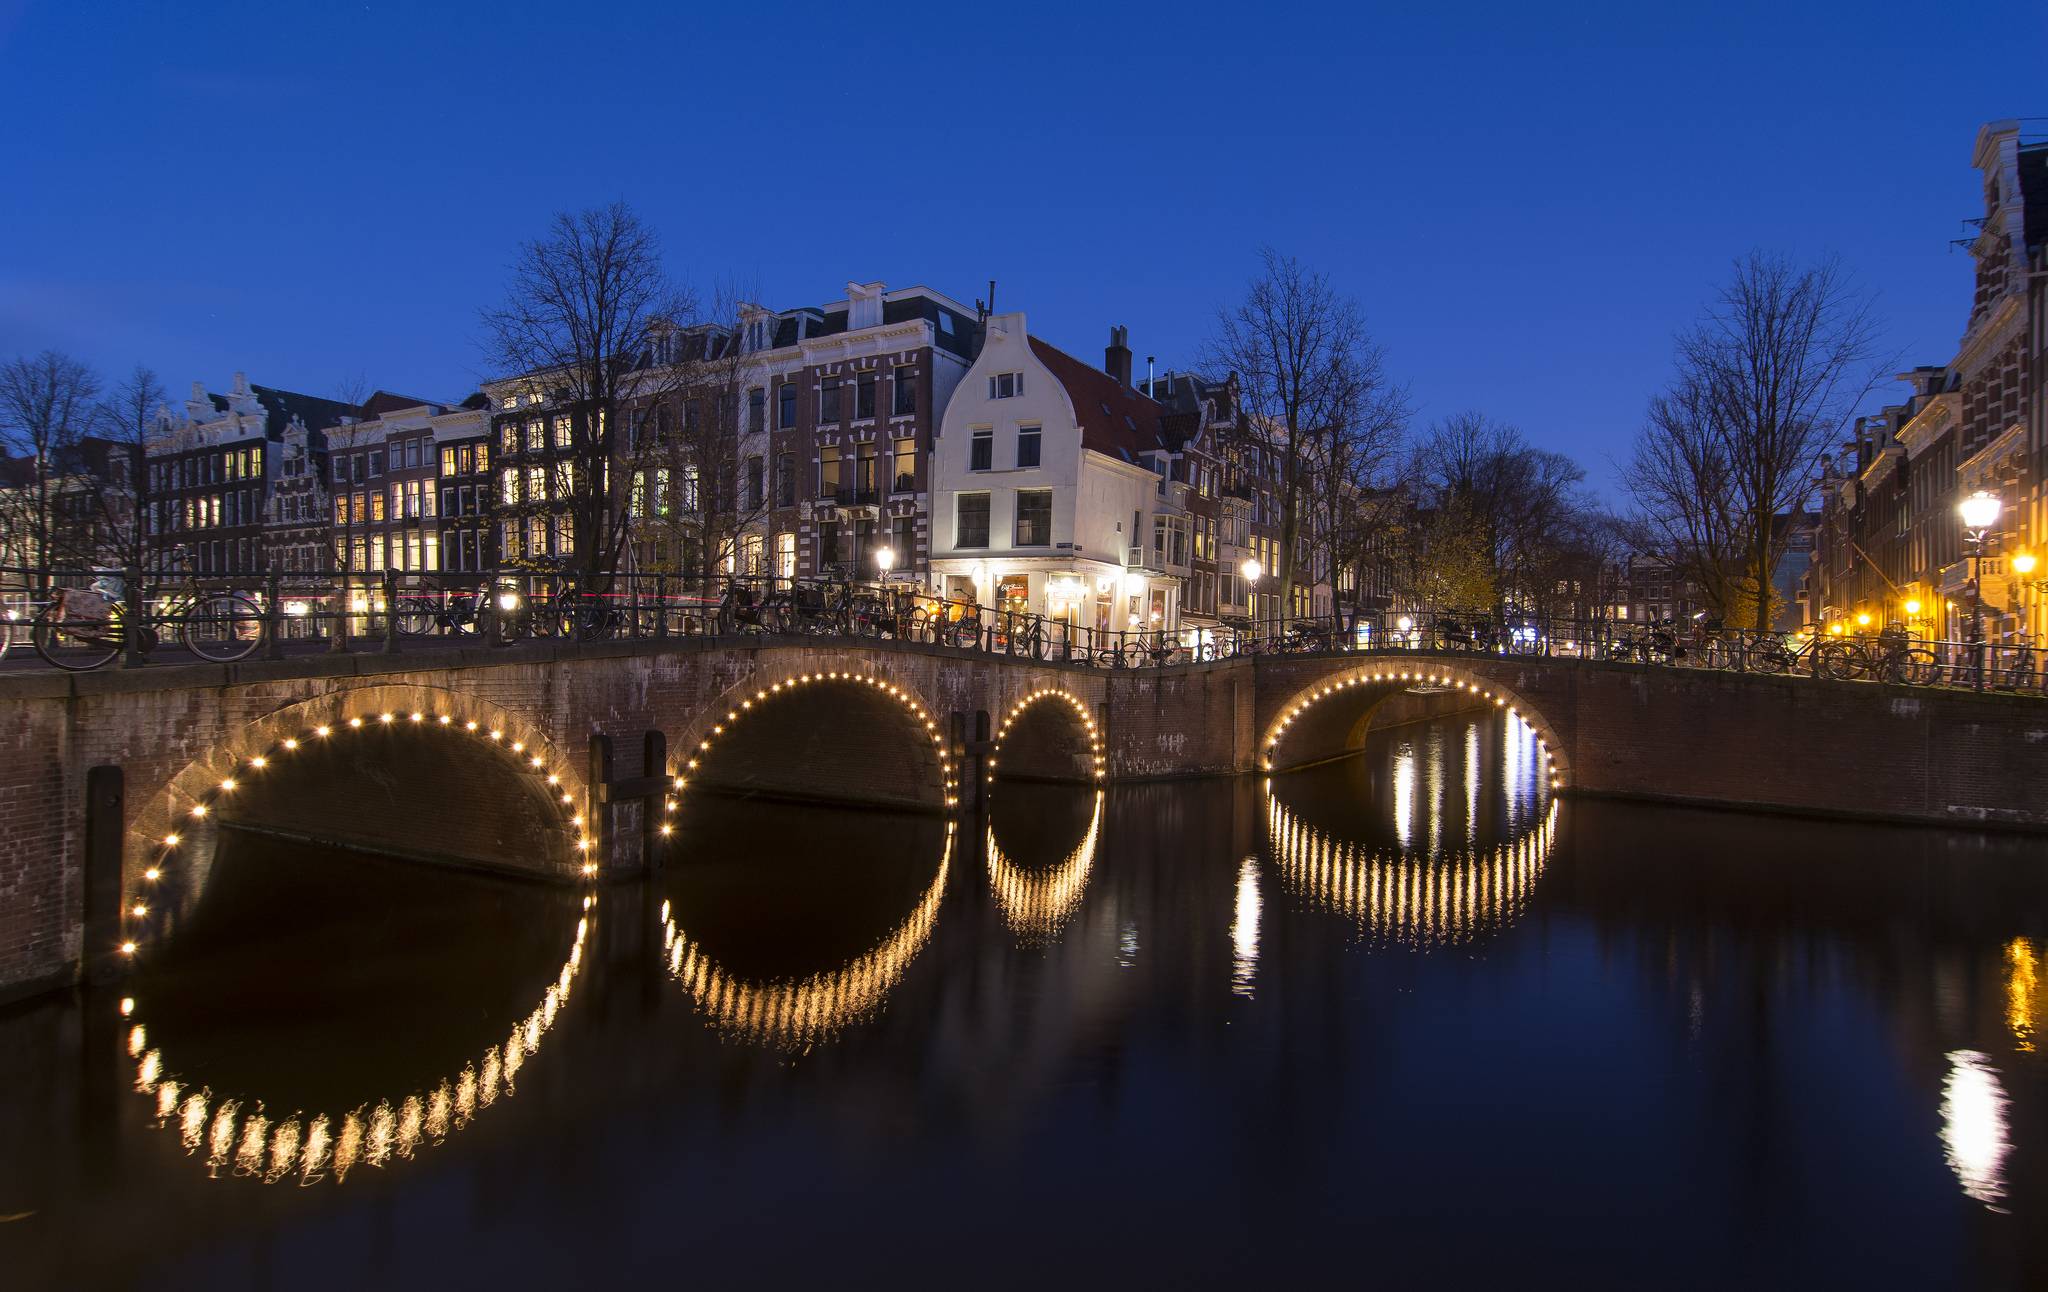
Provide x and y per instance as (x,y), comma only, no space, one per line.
(844,723)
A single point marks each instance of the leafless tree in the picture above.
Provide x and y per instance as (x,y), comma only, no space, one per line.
(1353,463)
(114,490)
(1308,376)
(583,303)
(47,406)
(1765,383)
(1501,513)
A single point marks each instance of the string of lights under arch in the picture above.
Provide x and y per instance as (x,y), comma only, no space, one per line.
(796,1015)
(1011,716)
(240,1136)
(1304,701)
(191,804)
(741,701)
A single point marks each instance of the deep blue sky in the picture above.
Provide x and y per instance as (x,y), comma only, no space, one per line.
(1527,199)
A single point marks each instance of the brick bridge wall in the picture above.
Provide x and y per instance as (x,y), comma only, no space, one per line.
(177,733)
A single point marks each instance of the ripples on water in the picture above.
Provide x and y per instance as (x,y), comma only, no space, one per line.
(1403,1017)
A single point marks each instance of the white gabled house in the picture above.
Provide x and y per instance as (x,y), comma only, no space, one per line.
(1046,483)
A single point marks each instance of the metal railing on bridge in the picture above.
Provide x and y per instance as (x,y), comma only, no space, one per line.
(80,619)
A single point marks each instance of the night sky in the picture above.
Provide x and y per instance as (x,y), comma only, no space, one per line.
(1527,204)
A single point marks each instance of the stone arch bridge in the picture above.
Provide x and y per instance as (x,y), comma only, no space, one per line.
(567,761)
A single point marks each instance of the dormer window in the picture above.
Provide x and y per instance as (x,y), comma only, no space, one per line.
(1006,385)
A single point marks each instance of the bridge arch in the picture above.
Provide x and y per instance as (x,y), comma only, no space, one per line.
(1048,735)
(800,733)
(1328,718)
(170,841)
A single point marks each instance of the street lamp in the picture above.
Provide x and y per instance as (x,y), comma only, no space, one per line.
(1979,512)
(885,559)
(1251,570)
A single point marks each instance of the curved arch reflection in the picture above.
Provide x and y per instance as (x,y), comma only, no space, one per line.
(236,1134)
(797,1014)
(1037,902)
(1421,901)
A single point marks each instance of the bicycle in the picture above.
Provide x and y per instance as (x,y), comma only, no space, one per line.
(81,629)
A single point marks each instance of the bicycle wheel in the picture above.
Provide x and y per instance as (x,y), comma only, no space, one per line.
(416,615)
(1918,666)
(76,645)
(1841,661)
(222,627)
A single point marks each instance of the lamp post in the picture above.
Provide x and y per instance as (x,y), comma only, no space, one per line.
(1979,513)
(1251,570)
(2023,564)
(885,560)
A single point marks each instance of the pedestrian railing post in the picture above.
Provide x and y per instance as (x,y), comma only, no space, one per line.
(388,589)
(273,616)
(132,625)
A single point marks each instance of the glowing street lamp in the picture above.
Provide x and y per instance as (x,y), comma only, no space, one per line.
(885,560)
(1251,569)
(1979,513)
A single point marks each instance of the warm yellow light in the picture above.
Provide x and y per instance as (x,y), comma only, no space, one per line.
(1835,629)
(2023,563)
(152,874)
(590,868)
(1912,605)
(1863,619)
(259,762)
(228,784)
(127,948)
(127,1006)
(355,722)
(383,717)
(199,809)
(668,829)
(290,743)
(170,841)
(138,910)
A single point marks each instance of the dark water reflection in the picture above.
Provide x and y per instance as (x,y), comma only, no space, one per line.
(1404,1019)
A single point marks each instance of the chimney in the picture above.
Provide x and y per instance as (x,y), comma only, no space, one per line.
(1116,356)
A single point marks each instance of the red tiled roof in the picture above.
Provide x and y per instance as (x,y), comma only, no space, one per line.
(1115,419)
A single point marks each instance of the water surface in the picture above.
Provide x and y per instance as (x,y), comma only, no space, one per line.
(1402,1019)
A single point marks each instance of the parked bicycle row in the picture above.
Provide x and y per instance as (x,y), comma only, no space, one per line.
(82,620)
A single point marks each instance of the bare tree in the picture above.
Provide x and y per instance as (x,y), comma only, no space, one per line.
(47,406)
(584,301)
(1354,462)
(1766,382)
(1307,373)
(1492,498)
(116,492)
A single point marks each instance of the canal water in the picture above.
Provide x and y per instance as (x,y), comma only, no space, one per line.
(1404,1019)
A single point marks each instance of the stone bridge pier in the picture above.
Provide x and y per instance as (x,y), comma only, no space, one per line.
(567,762)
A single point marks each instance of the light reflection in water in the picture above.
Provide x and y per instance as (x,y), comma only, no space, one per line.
(1036,904)
(1404,794)
(1974,1133)
(800,1014)
(1406,898)
(1244,929)
(240,1138)
(2022,992)
(1471,784)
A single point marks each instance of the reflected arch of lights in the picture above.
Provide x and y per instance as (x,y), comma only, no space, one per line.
(741,701)
(237,1135)
(192,799)
(1036,904)
(798,1014)
(1309,697)
(1410,899)
(1015,712)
